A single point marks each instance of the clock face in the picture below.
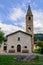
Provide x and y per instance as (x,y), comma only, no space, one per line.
(29,18)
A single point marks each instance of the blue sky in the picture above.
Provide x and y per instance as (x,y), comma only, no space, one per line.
(13,12)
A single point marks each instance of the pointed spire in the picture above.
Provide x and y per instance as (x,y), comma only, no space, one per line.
(29,12)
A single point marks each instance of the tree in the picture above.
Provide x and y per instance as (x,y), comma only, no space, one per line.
(2,37)
(38,36)
(40,44)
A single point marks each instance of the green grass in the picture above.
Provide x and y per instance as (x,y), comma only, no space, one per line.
(8,60)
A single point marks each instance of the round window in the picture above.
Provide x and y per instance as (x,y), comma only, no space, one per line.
(25,46)
(12,46)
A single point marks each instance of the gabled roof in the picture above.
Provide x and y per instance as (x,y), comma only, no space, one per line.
(19,31)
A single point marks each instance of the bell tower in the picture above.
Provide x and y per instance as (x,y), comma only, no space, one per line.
(29,24)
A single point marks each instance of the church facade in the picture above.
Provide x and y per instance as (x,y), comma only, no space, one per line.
(20,41)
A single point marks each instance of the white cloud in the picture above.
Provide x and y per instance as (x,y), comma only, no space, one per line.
(21,24)
(37,15)
(23,4)
(38,21)
(0,21)
(7,29)
(16,13)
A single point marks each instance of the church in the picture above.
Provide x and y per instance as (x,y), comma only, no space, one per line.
(20,41)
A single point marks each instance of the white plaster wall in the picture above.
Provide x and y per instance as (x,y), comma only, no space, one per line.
(25,40)
(2,46)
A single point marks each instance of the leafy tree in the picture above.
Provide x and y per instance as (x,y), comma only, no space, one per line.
(2,37)
(38,36)
(40,44)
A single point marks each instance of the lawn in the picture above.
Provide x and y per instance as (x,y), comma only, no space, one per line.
(8,60)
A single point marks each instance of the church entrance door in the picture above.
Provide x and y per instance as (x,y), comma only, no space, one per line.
(18,48)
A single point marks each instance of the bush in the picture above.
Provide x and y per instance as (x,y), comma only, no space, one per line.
(41,50)
(36,51)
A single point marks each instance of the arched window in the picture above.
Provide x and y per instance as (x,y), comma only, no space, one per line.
(18,38)
(29,28)
(29,18)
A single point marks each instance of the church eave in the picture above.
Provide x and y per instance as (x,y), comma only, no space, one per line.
(19,31)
